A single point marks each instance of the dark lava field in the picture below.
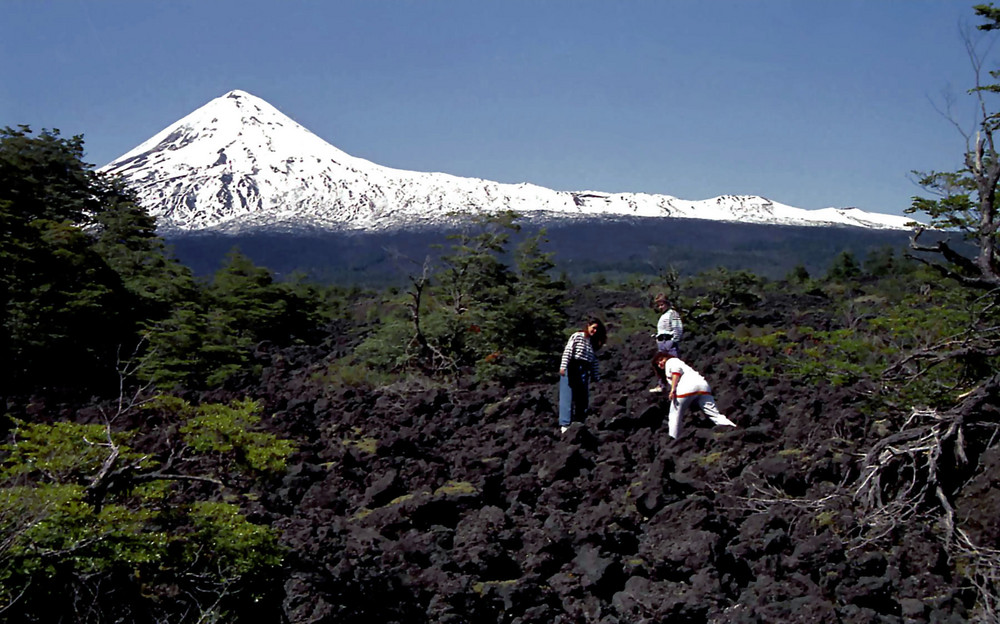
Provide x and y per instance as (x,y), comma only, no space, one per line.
(461,501)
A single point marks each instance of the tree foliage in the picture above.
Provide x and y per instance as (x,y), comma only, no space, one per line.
(965,202)
(844,267)
(215,335)
(966,199)
(87,283)
(477,310)
(82,267)
(106,524)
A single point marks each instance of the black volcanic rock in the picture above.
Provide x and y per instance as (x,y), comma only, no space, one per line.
(464,503)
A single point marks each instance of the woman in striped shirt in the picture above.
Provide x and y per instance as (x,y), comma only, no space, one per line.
(577,367)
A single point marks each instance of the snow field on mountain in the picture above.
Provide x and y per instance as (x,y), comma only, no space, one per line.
(238,165)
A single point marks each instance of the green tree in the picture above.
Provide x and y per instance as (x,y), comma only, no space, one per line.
(844,267)
(60,300)
(107,525)
(798,275)
(82,268)
(474,270)
(62,309)
(525,329)
(725,291)
(213,334)
(476,310)
(125,237)
(245,308)
(965,202)
(174,353)
(883,262)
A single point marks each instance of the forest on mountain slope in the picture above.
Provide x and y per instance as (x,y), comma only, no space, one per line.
(241,448)
(600,248)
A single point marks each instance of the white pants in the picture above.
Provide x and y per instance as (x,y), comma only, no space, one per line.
(707,404)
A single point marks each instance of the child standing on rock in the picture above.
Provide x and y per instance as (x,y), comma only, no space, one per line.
(577,367)
(687,386)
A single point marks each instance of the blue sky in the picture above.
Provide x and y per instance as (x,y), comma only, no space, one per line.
(811,103)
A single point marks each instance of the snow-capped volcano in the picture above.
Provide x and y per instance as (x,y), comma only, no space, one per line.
(237,164)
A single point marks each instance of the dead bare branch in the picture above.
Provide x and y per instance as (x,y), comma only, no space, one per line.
(901,480)
(428,354)
(982,569)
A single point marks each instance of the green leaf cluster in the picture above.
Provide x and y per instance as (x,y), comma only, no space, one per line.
(66,555)
(66,308)
(58,452)
(212,337)
(216,428)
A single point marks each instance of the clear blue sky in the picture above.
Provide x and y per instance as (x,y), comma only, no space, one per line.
(811,103)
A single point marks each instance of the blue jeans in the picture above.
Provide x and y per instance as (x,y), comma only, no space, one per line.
(574,396)
(667,346)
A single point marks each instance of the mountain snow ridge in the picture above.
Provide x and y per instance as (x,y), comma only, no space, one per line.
(238,165)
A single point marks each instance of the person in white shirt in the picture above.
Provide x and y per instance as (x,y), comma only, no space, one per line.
(687,387)
(669,330)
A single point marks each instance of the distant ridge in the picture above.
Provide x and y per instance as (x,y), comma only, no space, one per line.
(238,165)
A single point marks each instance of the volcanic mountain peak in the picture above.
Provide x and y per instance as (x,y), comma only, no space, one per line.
(236,120)
(237,164)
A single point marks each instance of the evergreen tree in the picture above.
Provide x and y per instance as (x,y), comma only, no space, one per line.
(525,329)
(798,275)
(84,274)
(214,333)
(473,281)
(127,241)
(174,355)
(62,321)
(882,262)
(475,272)
(844,267)
(477,311)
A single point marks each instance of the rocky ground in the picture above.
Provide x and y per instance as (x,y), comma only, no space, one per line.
(419,502)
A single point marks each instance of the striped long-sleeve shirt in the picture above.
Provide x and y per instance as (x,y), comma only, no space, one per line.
(579,348)
(670,323)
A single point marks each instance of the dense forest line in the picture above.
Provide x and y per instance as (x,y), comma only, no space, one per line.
(236,447)
(586,249)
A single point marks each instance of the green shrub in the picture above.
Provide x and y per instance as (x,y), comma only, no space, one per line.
(229,429)
(225,542)
(82,507)
(345,373)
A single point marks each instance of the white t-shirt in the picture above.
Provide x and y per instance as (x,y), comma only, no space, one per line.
(691,380)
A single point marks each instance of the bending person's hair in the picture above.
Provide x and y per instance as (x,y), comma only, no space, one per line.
(660,356)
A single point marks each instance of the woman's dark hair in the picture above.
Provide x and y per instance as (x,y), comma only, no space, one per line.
(660,373)
(600,336)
